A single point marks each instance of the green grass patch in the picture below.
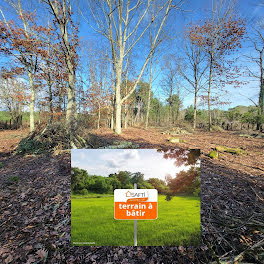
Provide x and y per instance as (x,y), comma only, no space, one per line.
(92,221)
(5,116)
(26,116)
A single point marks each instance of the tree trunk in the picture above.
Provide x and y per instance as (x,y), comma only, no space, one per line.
(173,116)
(261,98)
(209,94)
(148,106)
(169,114)
(112,120)
(60,97)
(118,103)
(126,116)
(149,91)
(99,116)
(137,117)
(177,112)
(118,118)
(50,104)
(195,108)
(32,102)
(261,94)
(71,106)
(118,109)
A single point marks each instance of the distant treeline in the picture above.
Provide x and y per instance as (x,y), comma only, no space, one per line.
(237,118)
(186,182)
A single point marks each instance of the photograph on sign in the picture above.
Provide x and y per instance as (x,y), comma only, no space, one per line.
(158,189)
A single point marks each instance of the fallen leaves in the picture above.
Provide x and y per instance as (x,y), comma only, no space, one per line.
(37,210)
(8,259)
(43,254)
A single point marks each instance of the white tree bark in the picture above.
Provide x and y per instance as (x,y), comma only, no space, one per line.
(32,102)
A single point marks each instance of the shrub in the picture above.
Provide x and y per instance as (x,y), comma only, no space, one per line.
(217,129)
(1,165)
(186,126)
(197,191)
(168,197)
(29,146)
(189,112)
(83,192)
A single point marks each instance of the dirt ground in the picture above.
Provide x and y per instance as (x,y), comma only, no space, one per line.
(35,204)
(251,162)
(10,138)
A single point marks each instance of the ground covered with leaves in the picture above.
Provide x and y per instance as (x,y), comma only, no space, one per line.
(250,161)
(9,139)
(35,205)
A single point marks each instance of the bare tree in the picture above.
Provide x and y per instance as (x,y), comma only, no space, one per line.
(258,45)
(218,36)
(193,68)
(21,43)
(170,82)
(152,67)
(150,88)
(121,22)
(126,86)
(62,12)
(12,95)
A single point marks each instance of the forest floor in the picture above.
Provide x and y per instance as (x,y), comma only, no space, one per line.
(10,138)
(35,203)
(251,161)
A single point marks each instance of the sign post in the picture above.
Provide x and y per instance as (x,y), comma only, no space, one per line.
(136,204)
(135,225)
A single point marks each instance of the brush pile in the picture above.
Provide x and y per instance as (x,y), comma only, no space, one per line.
(49,138)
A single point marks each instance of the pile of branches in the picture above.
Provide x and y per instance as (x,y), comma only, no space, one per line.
(50,138)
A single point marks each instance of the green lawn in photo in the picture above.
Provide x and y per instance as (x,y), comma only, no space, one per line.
(93,223)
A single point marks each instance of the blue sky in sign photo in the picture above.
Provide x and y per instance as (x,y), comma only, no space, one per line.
(106,161)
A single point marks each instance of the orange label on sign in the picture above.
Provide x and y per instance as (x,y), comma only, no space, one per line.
(136,204)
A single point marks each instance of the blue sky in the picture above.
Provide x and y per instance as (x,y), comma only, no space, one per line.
(105,161)
(251,10)
(194,11)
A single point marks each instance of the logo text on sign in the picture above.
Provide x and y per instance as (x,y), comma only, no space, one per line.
(136,204)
